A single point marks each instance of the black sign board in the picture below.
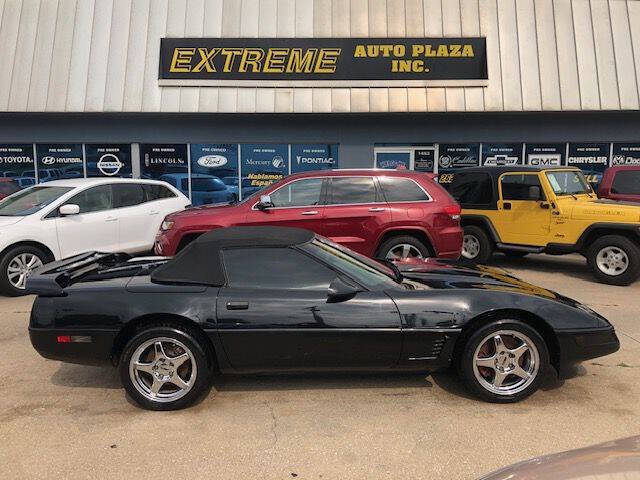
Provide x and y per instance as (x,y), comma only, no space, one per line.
(501,154)
(16,161)
(423,160)
(545,154)
(108,160)
(260,60)
(57,161)
(457,155)
(591,158)
(626,154)
(158,160)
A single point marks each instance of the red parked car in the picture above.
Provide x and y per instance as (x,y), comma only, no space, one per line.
(621,183)
(380,213)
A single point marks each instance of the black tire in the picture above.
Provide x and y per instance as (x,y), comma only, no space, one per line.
(394,242)
(485,246)
(515,254)
(194,345)
(6,287)
(620,243)
(466,355)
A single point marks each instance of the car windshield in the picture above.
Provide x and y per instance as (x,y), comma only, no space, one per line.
(30,200)
(568,182)
(368,272)
(207,185)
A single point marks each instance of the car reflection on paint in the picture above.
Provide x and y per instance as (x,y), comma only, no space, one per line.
(205,189)
(247,188)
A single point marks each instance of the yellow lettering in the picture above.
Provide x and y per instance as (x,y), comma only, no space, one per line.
(230,55)
(327,60)
(467,51)
(429,51)
(399,50)
(373,50)
(181,61)
(404,65)
(359,52)
(455,50)
(206,60)
(251,57)
(299,63)
(443,51)
(275,61)
(386,50)
(417,50)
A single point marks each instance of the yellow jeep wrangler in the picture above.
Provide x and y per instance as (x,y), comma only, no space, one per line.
(521,210)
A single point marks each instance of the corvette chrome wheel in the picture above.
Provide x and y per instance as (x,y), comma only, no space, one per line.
(403,251)
(20,267)
(506,362)
(612,261)
(163,369)
(470,246)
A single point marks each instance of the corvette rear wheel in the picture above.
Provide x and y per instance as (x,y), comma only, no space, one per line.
(504,361)
(164,368)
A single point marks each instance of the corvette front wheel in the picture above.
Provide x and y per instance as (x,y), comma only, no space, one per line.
(504,361)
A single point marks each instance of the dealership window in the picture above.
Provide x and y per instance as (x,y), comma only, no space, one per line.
(626,182)
(410,157)
(270,268)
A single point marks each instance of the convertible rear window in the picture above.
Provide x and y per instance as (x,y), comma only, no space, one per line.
(473,188)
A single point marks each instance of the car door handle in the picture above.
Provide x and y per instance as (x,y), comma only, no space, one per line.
(237,305)
(377,209)
(154,212)
(310,212)
(506,206)
(111,219)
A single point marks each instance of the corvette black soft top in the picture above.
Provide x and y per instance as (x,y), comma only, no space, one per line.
(201,263)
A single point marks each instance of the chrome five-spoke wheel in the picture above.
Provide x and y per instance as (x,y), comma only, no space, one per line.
(20,267)
(403,251)
(506,362)
(163,369)
(470,246)
(612,261)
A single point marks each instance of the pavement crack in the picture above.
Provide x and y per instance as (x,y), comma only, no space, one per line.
(274,423)
(629,336)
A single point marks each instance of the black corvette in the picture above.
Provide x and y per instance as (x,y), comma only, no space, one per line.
(266,299)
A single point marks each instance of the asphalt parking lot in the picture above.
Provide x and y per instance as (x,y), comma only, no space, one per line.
(67,421)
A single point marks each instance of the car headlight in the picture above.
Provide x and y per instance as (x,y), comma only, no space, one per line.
(166,225)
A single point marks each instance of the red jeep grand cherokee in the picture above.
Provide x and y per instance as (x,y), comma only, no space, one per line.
(380,213)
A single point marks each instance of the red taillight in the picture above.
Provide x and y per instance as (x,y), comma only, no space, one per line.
(64,338)
(453,211)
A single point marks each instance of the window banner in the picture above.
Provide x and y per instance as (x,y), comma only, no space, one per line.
(626,154)
(393,160)
(313,157)
(166,162)
(545,154)
(58,161)
(501,154)
(261,165)
(108,160)
(458,155)
(16,161)
(424,160)
(214,173)
(591,158)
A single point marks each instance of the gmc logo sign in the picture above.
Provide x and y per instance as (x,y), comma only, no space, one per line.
(545,159)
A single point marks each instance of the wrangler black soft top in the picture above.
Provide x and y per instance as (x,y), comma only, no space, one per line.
(201,263)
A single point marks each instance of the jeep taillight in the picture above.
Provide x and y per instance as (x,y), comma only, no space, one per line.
(453,211)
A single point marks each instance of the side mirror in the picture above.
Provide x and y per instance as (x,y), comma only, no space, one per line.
(265,202)
(534,193)
(341,289)
(69,209)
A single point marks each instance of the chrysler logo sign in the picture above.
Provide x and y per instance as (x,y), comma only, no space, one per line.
(109,164)
(212,161)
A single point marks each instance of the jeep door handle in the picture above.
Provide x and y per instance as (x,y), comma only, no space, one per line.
(237,305)
(310,212)
(376,209)
(506,206)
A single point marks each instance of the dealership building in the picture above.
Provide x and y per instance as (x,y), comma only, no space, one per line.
(186,90)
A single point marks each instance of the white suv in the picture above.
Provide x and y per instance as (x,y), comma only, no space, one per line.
(61,218)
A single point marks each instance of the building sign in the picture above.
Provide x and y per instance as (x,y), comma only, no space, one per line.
(545,154)
(58,161)
(591,158)
(393,160)
(261,165)
(501,154)
(626,154)
(108,160)
(16,161)
(166,162)
(458,155)
(313,157)
(289,62)
(424,159)
(214,173)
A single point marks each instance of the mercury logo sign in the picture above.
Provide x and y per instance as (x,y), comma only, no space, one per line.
(48,160)
(109,164)
(212,161)
(278,162)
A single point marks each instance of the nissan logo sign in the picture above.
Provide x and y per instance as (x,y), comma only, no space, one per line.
(212,161)
(109,164)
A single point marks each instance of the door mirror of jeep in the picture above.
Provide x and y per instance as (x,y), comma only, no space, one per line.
(534,193)
(265,202)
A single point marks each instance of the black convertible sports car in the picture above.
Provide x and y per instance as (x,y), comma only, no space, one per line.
(266,299)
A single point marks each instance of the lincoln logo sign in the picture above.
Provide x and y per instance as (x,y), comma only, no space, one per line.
(290,62)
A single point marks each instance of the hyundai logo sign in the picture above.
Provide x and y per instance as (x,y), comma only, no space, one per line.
(48,160)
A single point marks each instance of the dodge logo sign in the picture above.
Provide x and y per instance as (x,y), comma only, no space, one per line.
(109,164)
(212,161)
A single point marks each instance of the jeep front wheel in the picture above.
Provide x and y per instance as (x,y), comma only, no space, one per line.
(614,260)
(476,246)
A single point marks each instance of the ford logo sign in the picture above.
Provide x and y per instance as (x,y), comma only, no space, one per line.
(212,161)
